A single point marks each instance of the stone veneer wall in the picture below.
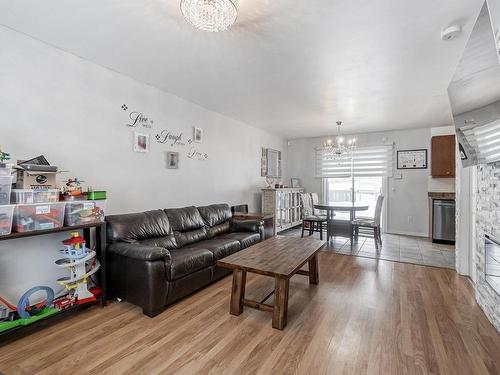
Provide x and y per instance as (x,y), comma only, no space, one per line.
(487,222)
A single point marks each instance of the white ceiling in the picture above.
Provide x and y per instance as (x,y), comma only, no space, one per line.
(292,67)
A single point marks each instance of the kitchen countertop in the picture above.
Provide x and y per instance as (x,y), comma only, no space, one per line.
(441,195)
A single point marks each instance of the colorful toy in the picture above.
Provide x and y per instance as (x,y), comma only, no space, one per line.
(25,313)
(39,217)
(84,212)
(3,156)
(80,262)
(72,190)
(64,302)
(96,195)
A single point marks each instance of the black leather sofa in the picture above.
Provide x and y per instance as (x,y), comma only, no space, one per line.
(157,257)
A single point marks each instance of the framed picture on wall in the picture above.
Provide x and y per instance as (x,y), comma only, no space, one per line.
(412,159)
(172,160)
(198,135)
(141,142)
(295,182)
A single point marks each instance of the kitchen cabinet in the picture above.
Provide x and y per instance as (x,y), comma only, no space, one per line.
(443,156)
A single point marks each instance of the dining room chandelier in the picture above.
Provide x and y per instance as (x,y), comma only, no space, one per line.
(340,147)
(210,15)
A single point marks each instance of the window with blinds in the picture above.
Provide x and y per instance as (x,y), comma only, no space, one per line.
(363,161)
(486,139)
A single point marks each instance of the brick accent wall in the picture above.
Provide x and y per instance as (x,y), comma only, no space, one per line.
(487,222)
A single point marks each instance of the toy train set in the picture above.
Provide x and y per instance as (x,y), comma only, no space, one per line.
(81,263)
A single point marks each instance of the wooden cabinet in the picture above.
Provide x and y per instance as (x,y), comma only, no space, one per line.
(284,204)
(443,156)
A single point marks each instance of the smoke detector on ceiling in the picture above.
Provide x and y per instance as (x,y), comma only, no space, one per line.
(451,32)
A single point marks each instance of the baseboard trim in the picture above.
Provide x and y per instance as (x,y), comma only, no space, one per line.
(403,233)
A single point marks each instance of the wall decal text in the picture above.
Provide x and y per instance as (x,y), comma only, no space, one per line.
(173,139)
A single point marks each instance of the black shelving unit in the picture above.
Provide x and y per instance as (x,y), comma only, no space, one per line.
(100,248)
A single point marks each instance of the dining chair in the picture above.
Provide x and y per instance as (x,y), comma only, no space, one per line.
(370,226)
(315,223)
(241,209)
(315,200)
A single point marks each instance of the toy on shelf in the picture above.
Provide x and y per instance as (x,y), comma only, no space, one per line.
(4,156)
(72,190)
(38,216)
(24,313)
(96,195)
(84,212)
(81,263)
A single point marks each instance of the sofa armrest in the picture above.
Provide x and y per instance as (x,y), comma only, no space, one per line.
(255,226)
(139,252)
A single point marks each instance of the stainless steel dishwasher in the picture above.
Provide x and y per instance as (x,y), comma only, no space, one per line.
(443,221)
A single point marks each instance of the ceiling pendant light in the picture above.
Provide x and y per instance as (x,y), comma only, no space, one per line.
(210,15)
(339,148)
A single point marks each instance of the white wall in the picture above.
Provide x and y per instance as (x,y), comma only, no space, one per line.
(68,109)
(407,198)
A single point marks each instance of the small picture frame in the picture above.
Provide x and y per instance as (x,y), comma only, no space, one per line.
(412,159)
(197,135)
(295,182)
(141,142)
(172,160)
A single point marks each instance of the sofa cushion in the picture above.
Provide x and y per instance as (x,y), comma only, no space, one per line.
(246,239)
(217,219)
(215,214)
(221,247)
(187,224)
(219,229)
(168,242)
(188,260)
(185,219)
(138,226)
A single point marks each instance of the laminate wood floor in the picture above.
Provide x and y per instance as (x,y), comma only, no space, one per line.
(366,316)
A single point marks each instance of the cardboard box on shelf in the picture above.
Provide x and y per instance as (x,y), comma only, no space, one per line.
(35,180)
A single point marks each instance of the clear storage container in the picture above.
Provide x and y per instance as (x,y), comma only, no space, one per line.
(38,216)
(6,213)
(84,212)
(5,186)
(5,169)
(34,195)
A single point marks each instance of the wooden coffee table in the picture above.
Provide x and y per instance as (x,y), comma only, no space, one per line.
(279,257)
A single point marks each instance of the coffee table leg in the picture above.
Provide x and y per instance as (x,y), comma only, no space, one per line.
(238,292)
(280,302)
(313,270)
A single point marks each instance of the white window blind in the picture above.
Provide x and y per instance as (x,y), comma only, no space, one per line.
(363,161)
(486,139)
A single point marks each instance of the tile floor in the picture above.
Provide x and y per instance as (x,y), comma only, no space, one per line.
(416,250)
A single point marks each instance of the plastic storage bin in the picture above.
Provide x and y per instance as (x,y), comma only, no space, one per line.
(84,212)
(6,213)
(5,169)
(38,216)
(34,195)
(5,186)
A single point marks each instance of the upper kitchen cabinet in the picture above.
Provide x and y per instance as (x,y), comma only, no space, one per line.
(443,156)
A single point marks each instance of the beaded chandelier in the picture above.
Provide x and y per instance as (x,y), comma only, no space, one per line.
(210,15)
(339,148)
